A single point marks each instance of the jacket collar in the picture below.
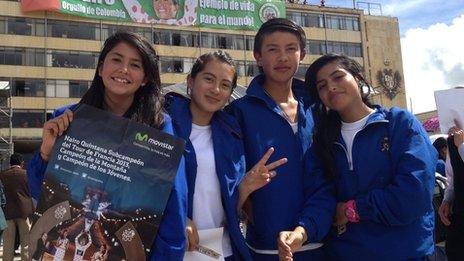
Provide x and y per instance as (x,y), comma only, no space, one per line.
(256,89)
(179,108)
(379,115)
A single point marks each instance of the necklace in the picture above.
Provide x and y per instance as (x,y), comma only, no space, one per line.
(284,114)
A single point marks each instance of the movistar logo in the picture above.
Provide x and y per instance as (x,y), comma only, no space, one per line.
(141,137)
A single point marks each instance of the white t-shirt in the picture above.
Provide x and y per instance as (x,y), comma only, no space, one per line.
(208,211)
(349,130)
(294,126)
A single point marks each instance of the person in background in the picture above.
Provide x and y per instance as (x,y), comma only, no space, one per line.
(2,214)
(383,164)
(441,146)
(451,210)
(18,207)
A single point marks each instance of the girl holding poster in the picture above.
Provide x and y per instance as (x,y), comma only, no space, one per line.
(126,83)
(214,158)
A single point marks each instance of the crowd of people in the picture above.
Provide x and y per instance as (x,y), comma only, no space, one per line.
(314,169)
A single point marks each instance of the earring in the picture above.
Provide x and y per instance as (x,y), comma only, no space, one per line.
(188,91)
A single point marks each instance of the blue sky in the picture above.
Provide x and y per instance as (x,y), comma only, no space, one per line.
(432,36)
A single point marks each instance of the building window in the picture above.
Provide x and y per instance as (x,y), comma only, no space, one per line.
(108,30)
(77,89)
(300,73)
(162,37)
(295,17)
(249,42)
(19,26)
(333,22)
(28,118)
(11,56)
(66,88)
(321,47)
(336,22)
(342,23)
(240,68)
(50,88)
(316,47)
(3,25)
(28,87)
(314,20)
(72,59)
(175,65)
(21,56)
(176,38)
(22,26)
(251,69)
(209,40)
(73,30)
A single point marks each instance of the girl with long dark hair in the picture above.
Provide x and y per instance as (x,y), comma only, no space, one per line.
(383,165)
(127,84)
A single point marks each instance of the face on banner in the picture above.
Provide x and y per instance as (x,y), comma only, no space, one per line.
(174,12)
(166,9)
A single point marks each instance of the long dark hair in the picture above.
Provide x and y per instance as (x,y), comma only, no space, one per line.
(328,122)
(147,106)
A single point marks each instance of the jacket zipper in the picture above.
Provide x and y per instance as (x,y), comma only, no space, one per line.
(350,161)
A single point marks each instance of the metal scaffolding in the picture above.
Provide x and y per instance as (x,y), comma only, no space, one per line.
(6,131)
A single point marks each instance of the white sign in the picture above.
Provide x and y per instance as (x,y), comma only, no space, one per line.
(450,107)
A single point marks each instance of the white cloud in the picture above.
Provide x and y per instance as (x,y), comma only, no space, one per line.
(397,7)
(433,59)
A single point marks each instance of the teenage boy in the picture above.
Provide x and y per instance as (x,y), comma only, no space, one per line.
(291,214)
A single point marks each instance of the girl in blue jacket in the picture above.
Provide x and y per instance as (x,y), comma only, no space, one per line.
(126,83)
(215,165)
(383,165)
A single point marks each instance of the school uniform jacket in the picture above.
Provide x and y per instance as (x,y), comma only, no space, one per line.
(170,242)
(391,177)
(229,160)
(294,197)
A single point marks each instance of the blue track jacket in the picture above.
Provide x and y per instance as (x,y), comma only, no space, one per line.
(391,178)
(294,197)
(229,158)
(170,242)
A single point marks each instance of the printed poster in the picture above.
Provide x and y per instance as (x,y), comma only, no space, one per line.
(105,189)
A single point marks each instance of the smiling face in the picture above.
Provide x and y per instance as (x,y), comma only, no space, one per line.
(122,71)
(279,56)
(211,88)
(165,9)
(337,88)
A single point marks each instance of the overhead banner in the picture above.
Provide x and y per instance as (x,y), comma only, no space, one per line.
(222,14)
